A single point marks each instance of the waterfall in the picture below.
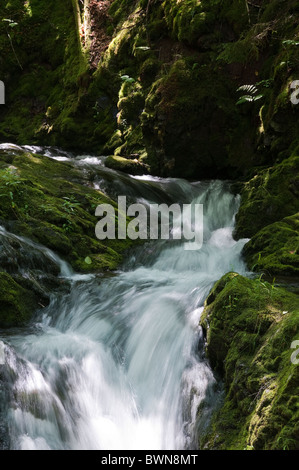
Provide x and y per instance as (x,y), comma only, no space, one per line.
(117,361)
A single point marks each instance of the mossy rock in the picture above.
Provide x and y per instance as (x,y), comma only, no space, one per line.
(274,249)
(186,127)
(17,304)
(131,166)
(52,203)
(268,197)
(250,327)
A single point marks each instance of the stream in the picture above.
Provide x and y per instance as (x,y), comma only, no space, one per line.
(116,361)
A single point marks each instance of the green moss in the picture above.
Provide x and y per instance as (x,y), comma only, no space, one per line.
(149,70)
(274,249)
(16,303)
(190,19)
(180,117)
(241,52)
(48,75)
(269,196)
(268,214)
(250,326)
(120,9)
(133,167)
(187,59)
(50,202)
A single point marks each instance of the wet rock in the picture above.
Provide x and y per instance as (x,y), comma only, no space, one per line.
(17,304)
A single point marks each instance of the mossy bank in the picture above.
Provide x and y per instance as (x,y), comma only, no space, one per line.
(252,330)
(269,216)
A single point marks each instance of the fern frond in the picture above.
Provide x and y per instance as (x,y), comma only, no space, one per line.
(252,89)
(248,99)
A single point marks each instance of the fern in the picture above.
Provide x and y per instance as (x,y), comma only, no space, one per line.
(251,94)
(12,24)
(249,88)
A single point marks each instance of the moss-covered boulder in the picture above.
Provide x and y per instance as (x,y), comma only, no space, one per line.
(269,215)
(54,204)
(250,327)
(186,127)
(268,197)
(274,249)
(16,303)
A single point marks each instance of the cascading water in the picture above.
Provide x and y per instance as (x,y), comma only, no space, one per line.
(117,362)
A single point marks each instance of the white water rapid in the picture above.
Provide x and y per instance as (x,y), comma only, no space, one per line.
(117,362)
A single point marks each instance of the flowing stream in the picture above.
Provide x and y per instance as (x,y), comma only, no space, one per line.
(117,361)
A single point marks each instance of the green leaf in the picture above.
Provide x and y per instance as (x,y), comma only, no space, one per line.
(248,88)
(143,48)
(88,260)
(245,99)
(13,25)
(290,42)
(127,79)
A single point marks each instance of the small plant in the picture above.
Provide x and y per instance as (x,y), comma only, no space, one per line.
(25,209)
(286,443)
(143,48)
(96,110)
(70,205)
(68,226)
(10,25)
(46,208)
(260,283)
(251,94)
(11,181)
(232,303)
(127,79)
(290,42)
(258,261)
(266,83)
(272,288)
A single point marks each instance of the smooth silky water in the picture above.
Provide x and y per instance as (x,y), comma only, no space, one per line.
(117,361)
